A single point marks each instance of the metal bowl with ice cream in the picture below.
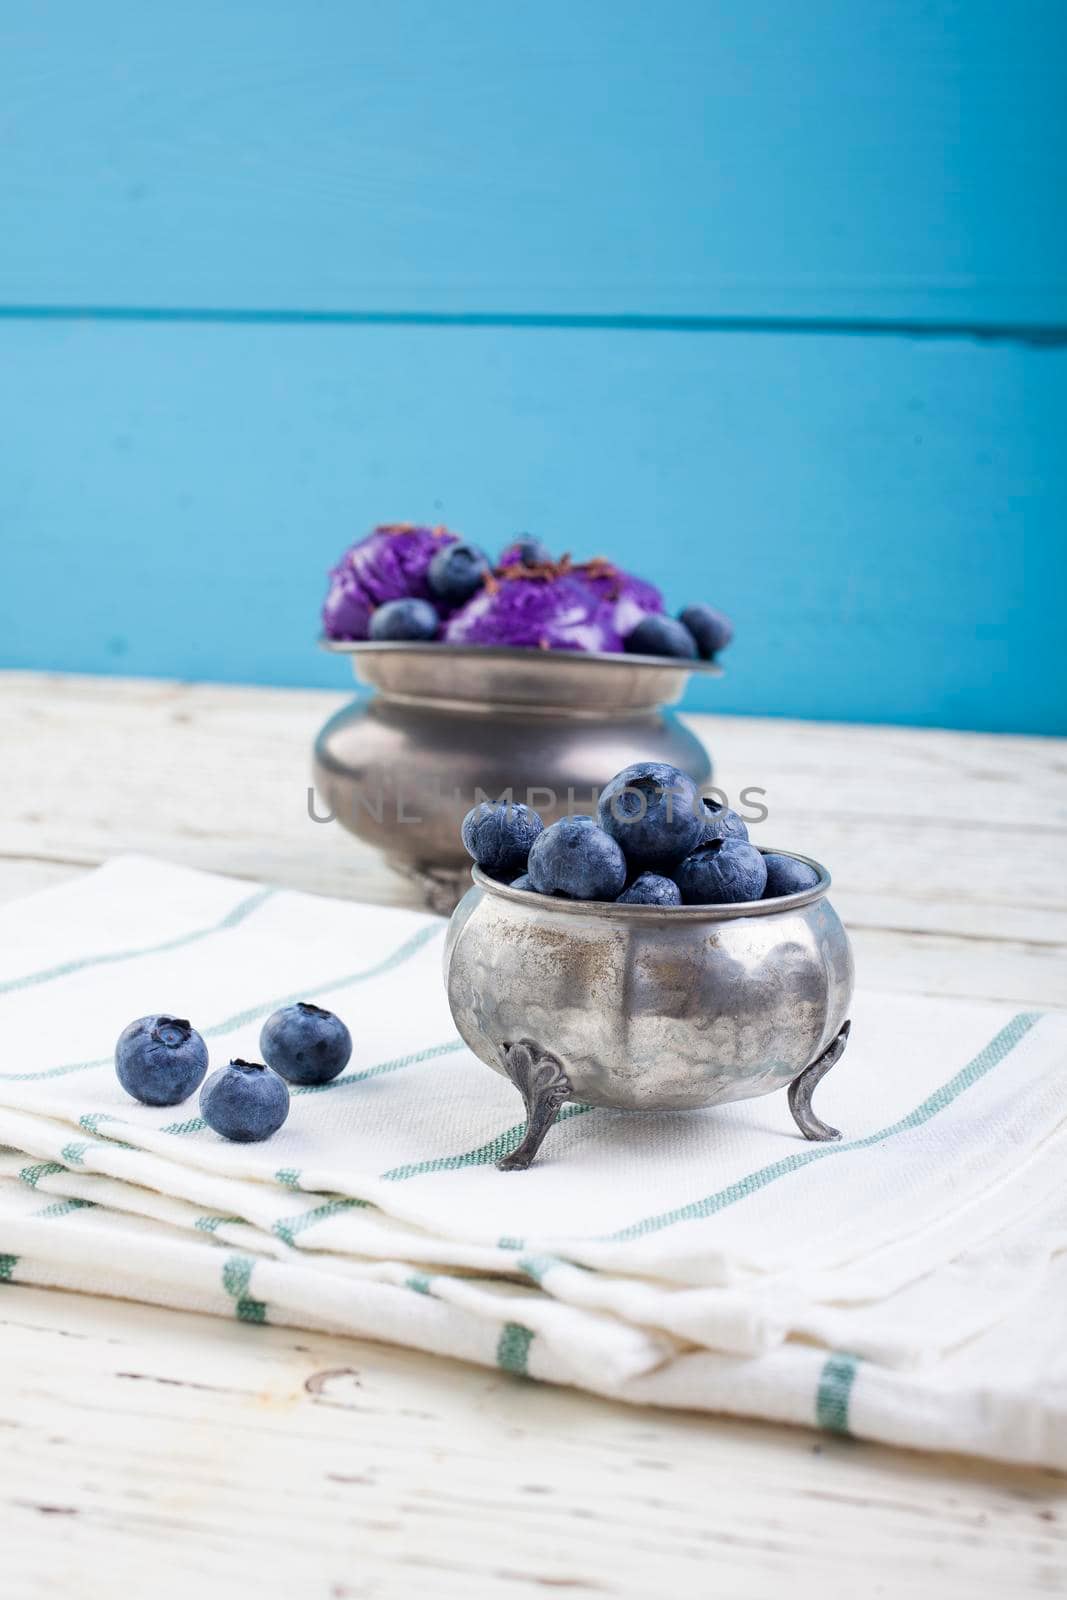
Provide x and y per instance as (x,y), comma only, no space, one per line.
(531,678)
(451,724)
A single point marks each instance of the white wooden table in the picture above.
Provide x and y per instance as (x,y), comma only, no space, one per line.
(147,1452)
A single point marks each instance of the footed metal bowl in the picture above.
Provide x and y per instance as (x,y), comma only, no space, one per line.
(451,725)
(649,1007)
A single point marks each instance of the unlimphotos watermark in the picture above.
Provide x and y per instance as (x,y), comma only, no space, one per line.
(386,797)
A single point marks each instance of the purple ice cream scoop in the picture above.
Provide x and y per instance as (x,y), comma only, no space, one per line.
(389,564)
(554,606)
(621,599)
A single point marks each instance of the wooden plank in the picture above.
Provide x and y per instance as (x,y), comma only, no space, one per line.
(220,782)
(258,1458)
(236,1460)
(20,876)
(896,959)
(895,160)
(883,520)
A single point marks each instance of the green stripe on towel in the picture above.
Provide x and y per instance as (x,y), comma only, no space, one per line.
(483,1155)
(91,1120)
(231,920)
(31,1176)
(236,1280)
(538,1267)
(345,1081)
(401,954)
(513,1349)
(834,1392)
(63,1208)
(7,1267)
(987,1058)
(289,1227)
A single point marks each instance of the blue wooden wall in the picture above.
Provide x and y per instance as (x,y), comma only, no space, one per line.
(767,301)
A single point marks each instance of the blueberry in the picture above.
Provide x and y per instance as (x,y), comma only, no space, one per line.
(523,881)
(722,823)
(711,630)
(305,1044)
(245,1102)
(661,636)
(655,812)
(649,889)
(455,573)
(787,875)
(722,872)
(405,619)
(577,859)
(160,1060)
(498,834)
(526,552)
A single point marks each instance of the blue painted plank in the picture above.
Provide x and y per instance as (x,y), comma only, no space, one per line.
(896,159)
(883,518)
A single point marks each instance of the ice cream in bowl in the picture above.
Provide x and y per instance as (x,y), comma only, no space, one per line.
(533,675)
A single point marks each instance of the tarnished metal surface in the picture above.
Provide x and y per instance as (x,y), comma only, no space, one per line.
(802,1089)
(475,675)
(649,1008)
(452,725)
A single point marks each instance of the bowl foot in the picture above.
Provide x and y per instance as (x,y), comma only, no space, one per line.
(802,1089)
(540,1078)
(442,888)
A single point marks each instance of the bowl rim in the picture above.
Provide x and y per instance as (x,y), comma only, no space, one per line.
(612,911)
(482,652)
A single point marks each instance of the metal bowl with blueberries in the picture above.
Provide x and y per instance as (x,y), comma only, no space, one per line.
(648,958)
(534,675)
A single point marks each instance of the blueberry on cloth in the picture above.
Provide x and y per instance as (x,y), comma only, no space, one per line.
(786,875)
(722,872)
(244,1102)
(405,619)
(305,1044)
(160,1060)
(655,812)
(498,834)
(455,573)
(711,630)
(650,889)
(661,636)
(577,859)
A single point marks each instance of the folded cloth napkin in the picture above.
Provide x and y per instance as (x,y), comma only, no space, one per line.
(907,1284)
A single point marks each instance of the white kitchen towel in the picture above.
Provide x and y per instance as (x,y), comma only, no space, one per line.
(908,1283)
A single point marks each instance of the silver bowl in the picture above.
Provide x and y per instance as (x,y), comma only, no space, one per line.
(650,1008)
(453,724)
